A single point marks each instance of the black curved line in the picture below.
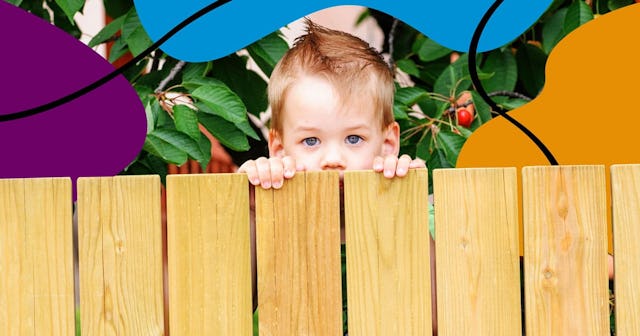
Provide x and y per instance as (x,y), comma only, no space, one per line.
(473,71)
(116,72)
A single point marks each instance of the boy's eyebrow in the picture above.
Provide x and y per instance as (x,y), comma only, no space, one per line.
(308,128)
(358,126)
(304,128)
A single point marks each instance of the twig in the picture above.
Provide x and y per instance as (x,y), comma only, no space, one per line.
(392,35)
(172,74)
(509,94)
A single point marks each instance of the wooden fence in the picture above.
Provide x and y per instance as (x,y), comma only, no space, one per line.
(298,253)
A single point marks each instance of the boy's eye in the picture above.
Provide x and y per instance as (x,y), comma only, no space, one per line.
(353,139)
(312,141)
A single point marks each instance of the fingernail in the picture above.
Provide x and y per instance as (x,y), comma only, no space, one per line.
(401,171)
(255,181)
(277,185)
(377,166)
(288,173)
(266,185)
(388,173)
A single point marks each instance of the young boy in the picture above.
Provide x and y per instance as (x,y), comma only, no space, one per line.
(331,98)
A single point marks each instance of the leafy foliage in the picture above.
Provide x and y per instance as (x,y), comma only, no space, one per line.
(183,99)
(439,84)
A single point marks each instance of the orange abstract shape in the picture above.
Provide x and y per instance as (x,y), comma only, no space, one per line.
(586,113)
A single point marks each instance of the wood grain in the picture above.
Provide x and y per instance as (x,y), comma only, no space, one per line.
(387,242)
(625,190)
(209,254)
(477,251)
(36,261)
(565,252)
(120,255)
(49,227)
(298,253)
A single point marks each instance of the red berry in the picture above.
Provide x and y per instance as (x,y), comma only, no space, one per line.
(464,118)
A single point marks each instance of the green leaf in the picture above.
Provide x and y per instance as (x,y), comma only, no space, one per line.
(408,66)
(615,4)
(430,72)
(531,65)
(553,30)
(147,165)
(205,148)
(164,149)
(118,48)
(451,144)
(139,41)
(267,51)
(424,147)
(504,68)
(245,127)
(437,160)
(483,110)
(410,95)
(428,107)
(221,101)
(247,84)
(578,14)
(131,23)
(429,50)
(171,144)
(14,2)
(107,32)
(186,121)
(195,82)
(194,71)
(70,7)
(227,133)
(400,112)
(454,79)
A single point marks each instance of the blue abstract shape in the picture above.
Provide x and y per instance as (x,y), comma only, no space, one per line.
(97,134)
(239,23)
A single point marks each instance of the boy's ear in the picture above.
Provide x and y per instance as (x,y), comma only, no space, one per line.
(276,148)
(391,144)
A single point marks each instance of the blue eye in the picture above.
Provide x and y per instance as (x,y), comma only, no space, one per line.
(353,139)
(312,141)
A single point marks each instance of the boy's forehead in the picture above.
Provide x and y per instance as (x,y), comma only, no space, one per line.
(313,94)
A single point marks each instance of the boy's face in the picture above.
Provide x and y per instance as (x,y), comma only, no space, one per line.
(322,133)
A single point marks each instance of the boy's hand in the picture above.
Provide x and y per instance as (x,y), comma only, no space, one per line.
(269,172)
(392,166)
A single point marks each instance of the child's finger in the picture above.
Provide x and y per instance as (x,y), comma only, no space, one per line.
(418,163)
(289,165)
(378,164)
(404,163)
(390,164)
(277,172)
(249,167)
(264,172)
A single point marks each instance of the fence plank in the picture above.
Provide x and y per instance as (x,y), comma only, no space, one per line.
(120,255)
(477,251)
(387,241)
(209,254)
(298,244)
(49,224)
(16,270)
(36,261)
(625,189)
(565,230)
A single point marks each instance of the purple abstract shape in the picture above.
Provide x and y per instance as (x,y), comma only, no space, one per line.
(97,134)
